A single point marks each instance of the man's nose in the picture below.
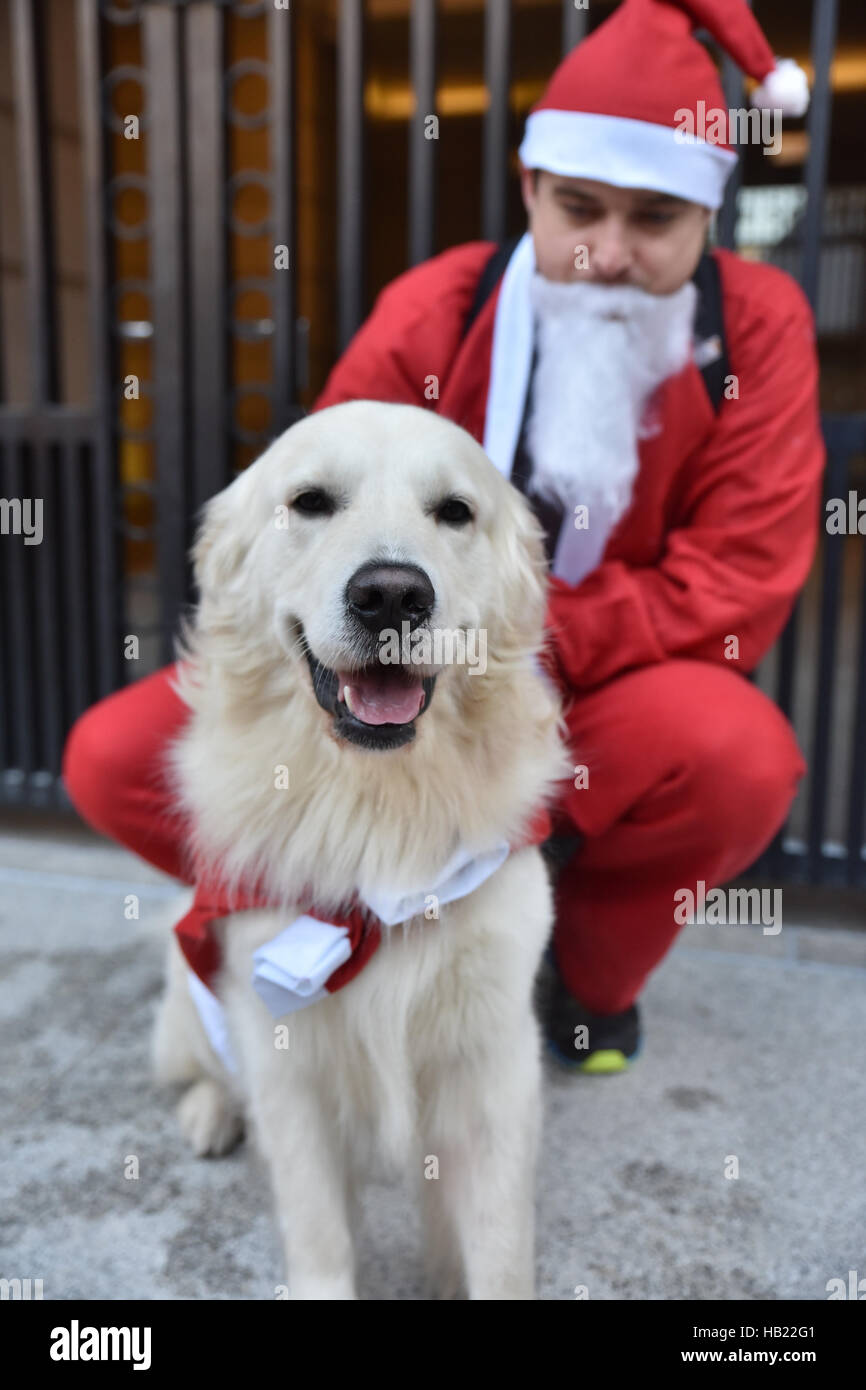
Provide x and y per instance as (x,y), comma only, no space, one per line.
(610,255)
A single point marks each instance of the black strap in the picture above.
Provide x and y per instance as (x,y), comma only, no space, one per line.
(494,269)
(709,323)
(710,330)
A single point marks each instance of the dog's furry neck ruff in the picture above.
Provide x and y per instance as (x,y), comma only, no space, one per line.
(313,954)
(271,797)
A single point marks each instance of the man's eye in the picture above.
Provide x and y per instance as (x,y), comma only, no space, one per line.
(454,511)
(657,218)
(314,502)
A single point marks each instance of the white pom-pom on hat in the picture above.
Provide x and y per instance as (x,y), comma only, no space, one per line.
(785,89)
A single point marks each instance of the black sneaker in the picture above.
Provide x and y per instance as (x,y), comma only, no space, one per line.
(612,1042)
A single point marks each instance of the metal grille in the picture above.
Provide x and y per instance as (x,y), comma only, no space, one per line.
(61,615)
(195,352)
(817,676)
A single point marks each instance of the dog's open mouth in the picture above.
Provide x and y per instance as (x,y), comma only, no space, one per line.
(382,695)
(374,707)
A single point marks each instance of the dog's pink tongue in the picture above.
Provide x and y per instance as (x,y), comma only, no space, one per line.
(379,698)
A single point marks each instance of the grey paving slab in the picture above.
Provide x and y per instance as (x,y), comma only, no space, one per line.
(63,845)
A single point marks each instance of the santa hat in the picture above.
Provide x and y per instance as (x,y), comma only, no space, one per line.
(614,109)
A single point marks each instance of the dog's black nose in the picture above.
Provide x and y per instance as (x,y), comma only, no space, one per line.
(386,595)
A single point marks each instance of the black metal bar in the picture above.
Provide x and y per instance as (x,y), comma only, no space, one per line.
(497,62)
(574,24)
(787,663)
(48,654)
(785,675)
(857,792)
(848,433)
(726,219)
(7,664)
(33,170)
(163,38)
(422,151)
(284,392)
(5,44)
(831,587)
(209,459)
(74,471)
(350,168)
(844,434)
(824,17)
(19,626)
(107,559)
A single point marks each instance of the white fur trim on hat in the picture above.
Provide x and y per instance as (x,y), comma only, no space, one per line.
(626,153)
(785,89)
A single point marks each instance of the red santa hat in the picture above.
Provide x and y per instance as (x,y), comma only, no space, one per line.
(616,107)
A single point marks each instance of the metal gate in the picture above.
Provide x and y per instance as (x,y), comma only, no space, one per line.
(165,293)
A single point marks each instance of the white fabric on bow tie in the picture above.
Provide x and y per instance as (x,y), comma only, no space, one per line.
(291,970)
(463,873)
(213,1019)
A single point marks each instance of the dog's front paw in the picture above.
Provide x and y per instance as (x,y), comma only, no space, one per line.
(209,1119)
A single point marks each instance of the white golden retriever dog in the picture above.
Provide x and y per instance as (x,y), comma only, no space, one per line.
(357,520)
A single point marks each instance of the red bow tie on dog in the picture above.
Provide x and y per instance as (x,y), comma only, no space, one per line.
(332,954)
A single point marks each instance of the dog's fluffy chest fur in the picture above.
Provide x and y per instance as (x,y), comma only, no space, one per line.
(435,994)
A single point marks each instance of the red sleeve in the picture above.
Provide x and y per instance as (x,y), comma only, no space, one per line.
(413,332)
(746,531)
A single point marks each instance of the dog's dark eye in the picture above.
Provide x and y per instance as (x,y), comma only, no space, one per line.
(314,502)
(454,511)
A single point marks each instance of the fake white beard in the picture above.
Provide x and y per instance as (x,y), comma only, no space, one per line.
(602,351)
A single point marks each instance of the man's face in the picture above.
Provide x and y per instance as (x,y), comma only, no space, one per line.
(632,236)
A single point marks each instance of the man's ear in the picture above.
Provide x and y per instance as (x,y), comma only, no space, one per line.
(528,183)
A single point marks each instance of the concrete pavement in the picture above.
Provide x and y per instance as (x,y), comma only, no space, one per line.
(753,1052)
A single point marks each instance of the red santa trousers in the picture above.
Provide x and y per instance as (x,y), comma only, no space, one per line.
(690,771)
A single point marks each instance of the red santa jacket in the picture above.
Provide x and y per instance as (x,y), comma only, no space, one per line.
(723,524)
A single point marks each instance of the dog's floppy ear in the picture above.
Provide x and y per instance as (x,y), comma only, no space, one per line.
(221,538)
(523,572)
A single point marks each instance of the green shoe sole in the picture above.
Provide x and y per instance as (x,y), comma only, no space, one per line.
(606,1061)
